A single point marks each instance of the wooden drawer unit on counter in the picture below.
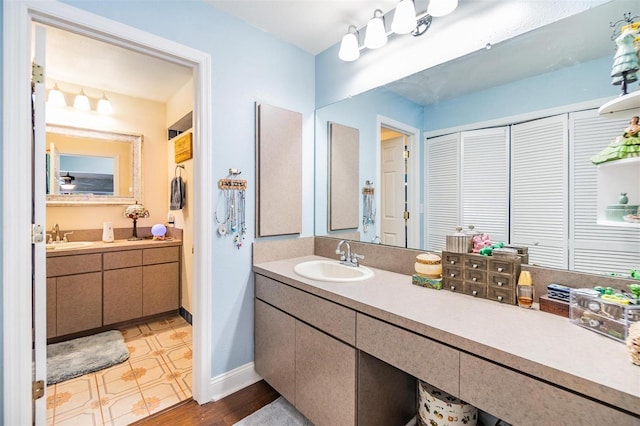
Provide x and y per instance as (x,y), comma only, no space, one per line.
(481,276)
(74,294)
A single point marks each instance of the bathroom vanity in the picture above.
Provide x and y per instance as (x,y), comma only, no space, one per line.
(349,353)
(109,283)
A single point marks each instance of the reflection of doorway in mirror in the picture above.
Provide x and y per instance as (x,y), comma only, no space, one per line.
(393,168)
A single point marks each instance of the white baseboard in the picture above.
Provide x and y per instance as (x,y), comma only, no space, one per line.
(232,381)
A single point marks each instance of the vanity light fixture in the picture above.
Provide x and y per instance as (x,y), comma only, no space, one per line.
(406,20)
(376,35)
(66,182)
(349,47)
(104,105)
(82,101)
(56,97)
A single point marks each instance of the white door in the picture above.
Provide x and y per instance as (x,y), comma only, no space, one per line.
(39,218)
(393,198)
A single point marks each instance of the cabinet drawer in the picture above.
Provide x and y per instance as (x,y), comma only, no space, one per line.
(475,276)
(452,272)
(504,266)
(122,259)
(498,390)
(76,264)
(454,259)
(475,289)
(503,295)
(501,280)
(417,355)
(452,285)
(330,317)
(160,255)
(476,261)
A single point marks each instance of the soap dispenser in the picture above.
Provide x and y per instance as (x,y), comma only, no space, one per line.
(525,290)
(107,232)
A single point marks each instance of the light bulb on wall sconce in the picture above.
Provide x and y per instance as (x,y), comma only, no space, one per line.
(82,101)
(56,97)
(376,35)
(439,8)
(404,17)
(104,105)
(349,47)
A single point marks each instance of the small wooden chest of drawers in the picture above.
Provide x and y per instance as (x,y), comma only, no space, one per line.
(481,276)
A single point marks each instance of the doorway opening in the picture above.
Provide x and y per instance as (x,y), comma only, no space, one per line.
(17,210)
(398,173)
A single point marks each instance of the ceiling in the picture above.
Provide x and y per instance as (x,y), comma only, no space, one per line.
(319,24)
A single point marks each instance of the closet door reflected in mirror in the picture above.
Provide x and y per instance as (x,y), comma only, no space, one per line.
(344,172)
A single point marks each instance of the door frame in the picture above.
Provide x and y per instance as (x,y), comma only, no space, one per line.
(16,199)
(413,181)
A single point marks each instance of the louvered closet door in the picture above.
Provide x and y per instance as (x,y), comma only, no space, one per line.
(596,248)
(539,192)
(442,189)
(485,181)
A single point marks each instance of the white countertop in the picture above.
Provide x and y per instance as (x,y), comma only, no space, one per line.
(539,344)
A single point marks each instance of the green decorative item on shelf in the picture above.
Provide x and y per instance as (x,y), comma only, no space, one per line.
(625,146)
(623,199)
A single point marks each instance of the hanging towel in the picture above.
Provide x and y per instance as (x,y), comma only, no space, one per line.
(177,193)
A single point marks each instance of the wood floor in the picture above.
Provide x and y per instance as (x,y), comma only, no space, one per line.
(226,411)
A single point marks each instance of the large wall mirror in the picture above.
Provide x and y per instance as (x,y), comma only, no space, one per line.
(545,71)
(87,166)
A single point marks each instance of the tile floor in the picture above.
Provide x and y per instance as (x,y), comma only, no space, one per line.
(157,375)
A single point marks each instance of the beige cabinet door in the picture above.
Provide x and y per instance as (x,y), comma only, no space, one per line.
(160,288)
(274,348)
(78,302)
(325,378)
(122,294)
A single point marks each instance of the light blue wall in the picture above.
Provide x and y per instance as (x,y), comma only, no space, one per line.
(359,112)
(247,66)
(579,83)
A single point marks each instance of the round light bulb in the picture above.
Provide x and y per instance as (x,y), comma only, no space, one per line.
(404,18)
(349,49)
(376,35)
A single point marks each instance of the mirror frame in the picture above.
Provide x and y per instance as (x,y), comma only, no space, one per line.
(87,199)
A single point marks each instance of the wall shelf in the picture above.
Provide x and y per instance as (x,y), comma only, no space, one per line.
(622,106)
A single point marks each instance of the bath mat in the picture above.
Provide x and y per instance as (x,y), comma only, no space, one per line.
(278,413)
(73,358)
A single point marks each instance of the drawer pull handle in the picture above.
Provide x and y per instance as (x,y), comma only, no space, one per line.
(500,269)
(453,275)
(474,279)
(453,262)
(475,292)
(453,288)
(475,266)
(500,298)
(500,284)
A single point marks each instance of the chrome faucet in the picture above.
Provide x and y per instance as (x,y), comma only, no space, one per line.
(348,257)
(343,257)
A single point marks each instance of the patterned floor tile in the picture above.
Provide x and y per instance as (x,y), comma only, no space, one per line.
(82,418)
(67,403)
(139,348)
(185,333)
(159,364)
(162,395)
(169,338)
(122,405)
(180,358)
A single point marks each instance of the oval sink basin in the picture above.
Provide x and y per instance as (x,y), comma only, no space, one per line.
(332,270)
(68,246)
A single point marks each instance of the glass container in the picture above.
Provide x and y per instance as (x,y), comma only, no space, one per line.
(525,290)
